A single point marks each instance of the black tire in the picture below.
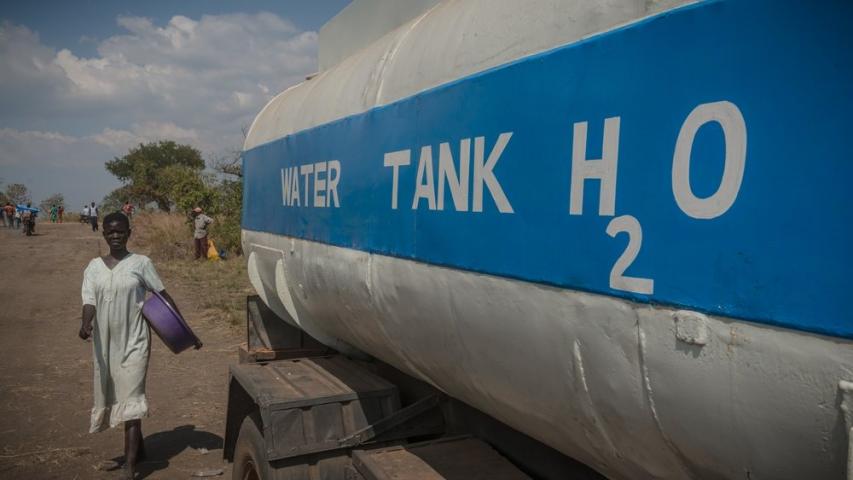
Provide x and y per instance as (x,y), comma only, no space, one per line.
(250,453)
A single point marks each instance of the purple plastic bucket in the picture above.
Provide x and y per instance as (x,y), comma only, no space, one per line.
(168,325)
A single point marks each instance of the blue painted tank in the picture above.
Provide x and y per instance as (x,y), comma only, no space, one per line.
(620,228)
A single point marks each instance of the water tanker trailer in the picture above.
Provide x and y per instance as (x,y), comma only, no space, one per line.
(619,229)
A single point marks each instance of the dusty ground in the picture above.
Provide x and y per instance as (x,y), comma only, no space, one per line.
(46,370)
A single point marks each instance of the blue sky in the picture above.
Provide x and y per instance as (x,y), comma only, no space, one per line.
(84,81)
(79,24)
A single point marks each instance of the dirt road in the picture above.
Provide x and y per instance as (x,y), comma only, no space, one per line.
(46,371)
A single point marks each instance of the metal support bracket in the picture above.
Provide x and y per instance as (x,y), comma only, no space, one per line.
(395,419)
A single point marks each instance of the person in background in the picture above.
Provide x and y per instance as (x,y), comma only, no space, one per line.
(60,211)
(114,288)
(9,210)
(127,209)
(17,218)
(28,217)
(93,217)
(84,214)
(200,224)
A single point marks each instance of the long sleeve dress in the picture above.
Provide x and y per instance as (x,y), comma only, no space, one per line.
(121,339)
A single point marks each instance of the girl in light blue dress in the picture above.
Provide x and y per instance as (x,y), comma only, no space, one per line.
(114,288)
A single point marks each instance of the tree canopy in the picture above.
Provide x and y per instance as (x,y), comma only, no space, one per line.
(173,177)
(56,199)
(17,193)
(115,199)
(151,170)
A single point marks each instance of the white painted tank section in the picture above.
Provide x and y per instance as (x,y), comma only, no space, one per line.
(634,390)
(361,23)
(450,40)
(269,277)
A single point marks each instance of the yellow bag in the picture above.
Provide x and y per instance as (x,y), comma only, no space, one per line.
(212,253)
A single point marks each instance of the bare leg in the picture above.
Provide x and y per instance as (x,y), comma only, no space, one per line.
(140,450)
(132,444)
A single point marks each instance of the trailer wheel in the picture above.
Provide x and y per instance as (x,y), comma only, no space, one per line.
(250,457)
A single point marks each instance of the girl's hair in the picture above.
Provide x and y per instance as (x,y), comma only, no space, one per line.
(117,217)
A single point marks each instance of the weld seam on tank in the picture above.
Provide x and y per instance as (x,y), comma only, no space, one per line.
(392,52)
(597,421)
(847,409)
(378,305)
(649,395)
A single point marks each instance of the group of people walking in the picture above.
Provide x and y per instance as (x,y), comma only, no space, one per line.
(13,216)
(16,216)
(89,215)
(56,213)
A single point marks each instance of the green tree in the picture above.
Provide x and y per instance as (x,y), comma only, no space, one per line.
(189,188)
(115,199)
(55,199)
(173,176)
(18,193)
(228,212)
(148,171)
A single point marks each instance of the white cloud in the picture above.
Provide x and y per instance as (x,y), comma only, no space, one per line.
(197,81)
(34,149)
(116,140)
(50,162)
(122,140)
(18,135)
(209,75)
(29,70)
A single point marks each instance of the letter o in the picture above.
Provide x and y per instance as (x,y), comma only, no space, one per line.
(734,131)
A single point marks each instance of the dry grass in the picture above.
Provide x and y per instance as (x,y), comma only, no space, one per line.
(162,236)
(222,285)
